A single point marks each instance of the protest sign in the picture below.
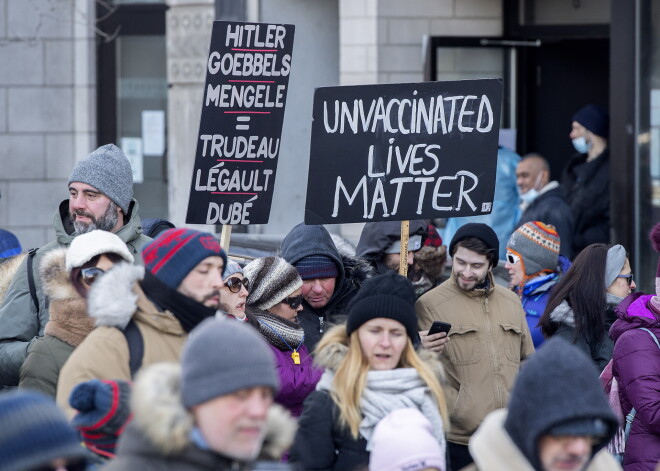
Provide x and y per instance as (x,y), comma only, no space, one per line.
(238,143)
(403,151)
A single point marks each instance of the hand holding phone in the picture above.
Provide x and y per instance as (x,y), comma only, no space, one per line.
(439,326)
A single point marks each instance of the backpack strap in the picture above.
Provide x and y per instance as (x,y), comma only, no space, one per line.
(30,275)
(135,346)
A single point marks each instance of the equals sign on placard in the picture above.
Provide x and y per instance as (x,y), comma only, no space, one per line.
(243,119)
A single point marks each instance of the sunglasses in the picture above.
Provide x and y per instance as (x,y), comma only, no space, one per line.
(80,465)
(89,275)
(512,258)
(234,284)
(629,278)
(293,301)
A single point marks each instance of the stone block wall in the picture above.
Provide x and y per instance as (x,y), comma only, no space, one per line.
(47,108)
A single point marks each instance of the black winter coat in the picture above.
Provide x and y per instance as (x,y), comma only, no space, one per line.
(587,187)
(551,208)
(320,445)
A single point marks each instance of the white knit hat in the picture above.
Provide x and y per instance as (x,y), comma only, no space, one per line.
(87,246)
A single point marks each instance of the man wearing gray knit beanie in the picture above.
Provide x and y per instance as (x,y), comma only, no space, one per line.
(100,197)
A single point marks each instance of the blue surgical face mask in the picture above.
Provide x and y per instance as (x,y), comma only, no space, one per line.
(581,145)
(530,196)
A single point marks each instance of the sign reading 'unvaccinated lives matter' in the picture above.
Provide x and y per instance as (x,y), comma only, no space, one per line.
(247,77)
(403,151)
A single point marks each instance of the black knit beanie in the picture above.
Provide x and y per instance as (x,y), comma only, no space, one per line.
(481,231)
(389,295)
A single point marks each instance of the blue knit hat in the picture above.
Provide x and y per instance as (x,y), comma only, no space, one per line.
(34,432)
(316,266)
(9,244)
(108,170)
(595,119)
(175,252)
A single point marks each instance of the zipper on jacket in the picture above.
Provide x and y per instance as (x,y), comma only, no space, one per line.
(321,324)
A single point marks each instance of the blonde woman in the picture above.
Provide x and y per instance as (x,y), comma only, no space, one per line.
(371,370)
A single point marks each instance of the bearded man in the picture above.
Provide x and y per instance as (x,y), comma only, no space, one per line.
(488,340)
(100,197)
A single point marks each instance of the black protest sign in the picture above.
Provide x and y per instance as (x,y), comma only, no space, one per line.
(247,76)
(403,151)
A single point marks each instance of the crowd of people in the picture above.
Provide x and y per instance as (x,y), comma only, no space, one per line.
(122,349)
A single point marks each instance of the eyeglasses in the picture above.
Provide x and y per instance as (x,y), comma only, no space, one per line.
(293,301)
(89,275)
(234,284)
(512,258)
(80,465)
(628,277)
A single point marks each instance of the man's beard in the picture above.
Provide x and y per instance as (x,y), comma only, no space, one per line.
(106,222)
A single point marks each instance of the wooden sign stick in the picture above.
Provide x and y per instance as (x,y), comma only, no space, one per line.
(403,262)
(225,235)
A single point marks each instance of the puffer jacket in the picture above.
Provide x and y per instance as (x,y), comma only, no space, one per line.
(20,321)
(68,326)
(159,437)
(636,366)
(297,381)
(489,341)
(303,241)
(113,301)
(321,443)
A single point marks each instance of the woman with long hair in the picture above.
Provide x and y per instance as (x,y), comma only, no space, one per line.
(372,369)
(581,307)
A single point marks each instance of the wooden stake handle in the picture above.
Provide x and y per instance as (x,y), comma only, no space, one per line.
(403,262)
(225,236)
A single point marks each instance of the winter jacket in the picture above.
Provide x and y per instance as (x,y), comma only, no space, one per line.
(20,321)
(303,241)
(636,366)
(587,190)
(489,340)
(321,443)
(113,301)
(297,381)
(505,205)
(534,298)
(493,449)
(68,326)
(159,437)
(550,207)
(599,352)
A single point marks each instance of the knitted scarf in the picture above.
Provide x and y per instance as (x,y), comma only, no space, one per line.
(280,333)
(388,390)
(187,311)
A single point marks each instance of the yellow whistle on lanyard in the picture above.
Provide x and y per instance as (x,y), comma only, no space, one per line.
(296,357)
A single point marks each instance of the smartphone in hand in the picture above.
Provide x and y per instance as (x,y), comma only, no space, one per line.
(439,326)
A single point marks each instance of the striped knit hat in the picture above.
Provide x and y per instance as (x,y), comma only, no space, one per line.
(34,432)
(175,252)
(537,245)
(103,412)
(316,266)
(271,280)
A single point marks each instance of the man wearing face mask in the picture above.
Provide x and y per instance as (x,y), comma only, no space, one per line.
(543,200)
(586,177)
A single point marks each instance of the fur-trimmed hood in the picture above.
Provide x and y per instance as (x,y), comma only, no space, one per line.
(563,314)
(113,299)
(54,277)
(159,414)
(8,268)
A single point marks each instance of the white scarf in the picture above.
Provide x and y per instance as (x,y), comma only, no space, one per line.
(388,390)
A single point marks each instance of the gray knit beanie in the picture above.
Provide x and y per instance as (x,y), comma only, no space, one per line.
(108,170)
(222,357)
(271,280)
(616,259)
(537,244)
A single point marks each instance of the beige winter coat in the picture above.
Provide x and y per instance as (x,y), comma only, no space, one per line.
(489,338)
(104,354)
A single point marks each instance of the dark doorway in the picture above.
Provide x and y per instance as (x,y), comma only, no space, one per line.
(556,80)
